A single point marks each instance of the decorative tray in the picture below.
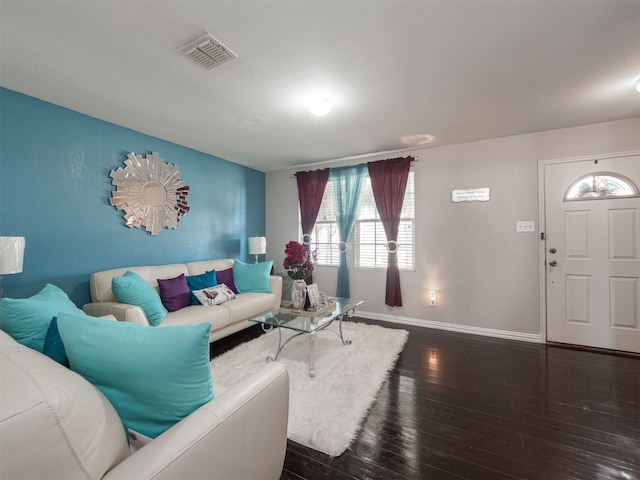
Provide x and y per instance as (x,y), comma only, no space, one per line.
(308,313)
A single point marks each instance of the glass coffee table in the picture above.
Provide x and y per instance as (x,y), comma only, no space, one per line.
(306,325)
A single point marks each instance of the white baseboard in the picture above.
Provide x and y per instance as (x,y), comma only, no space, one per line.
(452,327)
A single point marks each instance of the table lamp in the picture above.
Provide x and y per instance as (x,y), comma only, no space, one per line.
(11,256)
(257,246)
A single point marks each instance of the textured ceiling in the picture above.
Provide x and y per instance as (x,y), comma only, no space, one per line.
(456,70)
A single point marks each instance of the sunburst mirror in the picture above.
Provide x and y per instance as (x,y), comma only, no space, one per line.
(150,192)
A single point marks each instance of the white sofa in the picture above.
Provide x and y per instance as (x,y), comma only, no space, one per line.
(227,318)
(56,425)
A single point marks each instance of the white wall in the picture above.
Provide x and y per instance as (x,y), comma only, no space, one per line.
(486,274)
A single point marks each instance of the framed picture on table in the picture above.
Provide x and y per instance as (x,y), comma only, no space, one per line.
(314,296)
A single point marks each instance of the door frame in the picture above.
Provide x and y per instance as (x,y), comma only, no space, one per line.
(542,276)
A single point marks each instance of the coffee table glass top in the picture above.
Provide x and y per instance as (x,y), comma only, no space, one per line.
(278,318)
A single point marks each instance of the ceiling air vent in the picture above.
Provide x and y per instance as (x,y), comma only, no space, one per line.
(208,52)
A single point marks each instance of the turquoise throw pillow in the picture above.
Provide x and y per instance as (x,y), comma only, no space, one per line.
(27,319)
(53,346)
(252,277)
(131,288)
(154,377)
(198,282)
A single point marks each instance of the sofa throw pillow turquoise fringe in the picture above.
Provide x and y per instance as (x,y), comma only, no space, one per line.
(252,277)
(27,320)
(132,289)
(154,377)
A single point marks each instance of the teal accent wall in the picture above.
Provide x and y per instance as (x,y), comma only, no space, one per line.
(55,190)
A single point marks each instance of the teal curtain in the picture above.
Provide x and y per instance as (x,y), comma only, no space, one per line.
(347,185)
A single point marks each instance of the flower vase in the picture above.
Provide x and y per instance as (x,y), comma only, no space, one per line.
(298,294)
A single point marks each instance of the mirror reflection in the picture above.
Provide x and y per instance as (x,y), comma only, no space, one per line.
(154,194)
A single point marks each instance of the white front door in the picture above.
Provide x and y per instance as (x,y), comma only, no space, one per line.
(592,258)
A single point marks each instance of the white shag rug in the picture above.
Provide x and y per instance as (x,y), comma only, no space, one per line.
(325,411)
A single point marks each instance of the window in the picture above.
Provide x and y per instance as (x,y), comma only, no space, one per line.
(370,239)
(325,237)
(601,185)
(368,236)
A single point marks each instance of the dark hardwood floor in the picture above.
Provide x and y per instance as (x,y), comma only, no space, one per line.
(466,406)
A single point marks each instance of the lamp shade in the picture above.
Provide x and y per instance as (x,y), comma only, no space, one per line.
(11,254)
(257,245)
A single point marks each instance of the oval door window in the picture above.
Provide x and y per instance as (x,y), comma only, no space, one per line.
(601,185)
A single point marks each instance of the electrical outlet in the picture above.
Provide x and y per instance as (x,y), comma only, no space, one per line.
(526,226)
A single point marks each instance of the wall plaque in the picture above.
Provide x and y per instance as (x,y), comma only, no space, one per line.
(471,195)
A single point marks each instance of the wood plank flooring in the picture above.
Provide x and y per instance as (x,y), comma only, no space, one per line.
(466,406)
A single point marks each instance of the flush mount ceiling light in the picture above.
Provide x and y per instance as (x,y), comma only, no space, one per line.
(418,139)
(320,106)
(638,85)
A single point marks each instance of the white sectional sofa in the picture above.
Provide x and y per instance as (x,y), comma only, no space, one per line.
(54,424)
(227,318)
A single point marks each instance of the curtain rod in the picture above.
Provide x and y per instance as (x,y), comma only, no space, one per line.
(414,158)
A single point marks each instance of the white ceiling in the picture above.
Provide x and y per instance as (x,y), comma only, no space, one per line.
(456,70)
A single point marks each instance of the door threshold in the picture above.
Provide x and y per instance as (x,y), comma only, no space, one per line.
(620,353)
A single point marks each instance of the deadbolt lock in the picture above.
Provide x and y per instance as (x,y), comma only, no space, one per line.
(552,250)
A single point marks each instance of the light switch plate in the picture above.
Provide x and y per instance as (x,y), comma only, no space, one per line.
(526,226)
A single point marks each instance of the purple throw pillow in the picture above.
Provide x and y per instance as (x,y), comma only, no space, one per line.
(174,292)
(226,277)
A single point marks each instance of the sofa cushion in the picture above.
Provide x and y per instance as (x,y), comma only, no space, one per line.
(198,282)
(195,314)
(131,288)
(196,268)
(154,377)
(27,319)
(252,277)
(252,305)
(174,292)
(53,423)
(226,276)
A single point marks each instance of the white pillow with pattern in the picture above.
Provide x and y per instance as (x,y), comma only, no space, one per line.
(214,295)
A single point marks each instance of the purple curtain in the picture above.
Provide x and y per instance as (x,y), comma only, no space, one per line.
(311,186)
(389,182)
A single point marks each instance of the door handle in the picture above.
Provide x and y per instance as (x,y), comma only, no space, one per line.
(553,263)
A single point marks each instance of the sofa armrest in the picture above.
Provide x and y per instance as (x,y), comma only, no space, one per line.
(240,434)
(122,311)
(275,282)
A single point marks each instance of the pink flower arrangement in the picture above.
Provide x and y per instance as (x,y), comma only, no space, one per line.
(298,262)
